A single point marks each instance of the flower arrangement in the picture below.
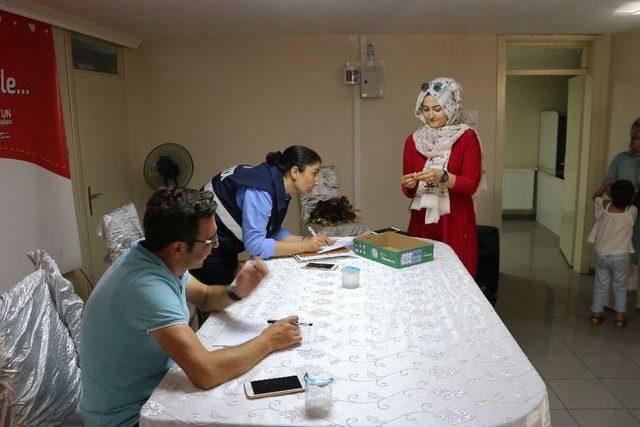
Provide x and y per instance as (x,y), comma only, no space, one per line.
(337,210)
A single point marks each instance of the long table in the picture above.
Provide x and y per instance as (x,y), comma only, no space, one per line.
(419,346)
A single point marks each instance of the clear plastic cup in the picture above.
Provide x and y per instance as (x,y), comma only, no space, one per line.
(350,277)
(317,395)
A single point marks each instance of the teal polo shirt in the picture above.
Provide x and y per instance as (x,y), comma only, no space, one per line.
(121,361)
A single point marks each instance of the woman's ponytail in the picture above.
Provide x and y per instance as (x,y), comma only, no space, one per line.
(274,158)
(295,155)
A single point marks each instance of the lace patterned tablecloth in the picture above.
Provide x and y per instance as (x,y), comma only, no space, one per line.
(419,346)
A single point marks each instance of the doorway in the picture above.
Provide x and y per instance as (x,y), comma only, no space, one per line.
(97,96)
(573,64)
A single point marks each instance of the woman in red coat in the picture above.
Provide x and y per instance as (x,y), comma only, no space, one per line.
(442,168)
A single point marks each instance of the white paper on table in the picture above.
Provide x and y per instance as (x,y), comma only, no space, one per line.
(339,242)
(237,332)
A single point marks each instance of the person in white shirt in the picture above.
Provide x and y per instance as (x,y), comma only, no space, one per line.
(612,236)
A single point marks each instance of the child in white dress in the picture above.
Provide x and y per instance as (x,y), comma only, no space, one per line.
(612,235)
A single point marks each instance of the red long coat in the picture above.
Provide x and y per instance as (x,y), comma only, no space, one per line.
(458,228)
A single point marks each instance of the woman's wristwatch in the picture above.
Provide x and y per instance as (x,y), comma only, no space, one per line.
(444,177)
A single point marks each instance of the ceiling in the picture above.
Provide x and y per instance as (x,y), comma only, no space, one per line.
(189,19)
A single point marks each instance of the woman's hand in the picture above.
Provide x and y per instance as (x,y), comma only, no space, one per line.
(314,243)
(324,239)
(430,176)
(409,180)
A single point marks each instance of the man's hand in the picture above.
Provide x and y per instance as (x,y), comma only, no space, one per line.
(250,276)
(283,333)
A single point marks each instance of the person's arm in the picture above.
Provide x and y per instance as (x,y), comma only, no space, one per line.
(207,369)
(256,210)
(612,171)
(466,182)
(216,298)
(600,191)
(409,183)
(292,245)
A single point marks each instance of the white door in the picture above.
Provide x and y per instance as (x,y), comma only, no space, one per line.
(103,144)
(575,102)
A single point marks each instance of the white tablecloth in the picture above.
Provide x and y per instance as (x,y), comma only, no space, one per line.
(418,346)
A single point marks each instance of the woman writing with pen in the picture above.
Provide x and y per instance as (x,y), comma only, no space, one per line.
(252,202)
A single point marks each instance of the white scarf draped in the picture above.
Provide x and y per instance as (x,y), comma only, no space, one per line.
(435,145)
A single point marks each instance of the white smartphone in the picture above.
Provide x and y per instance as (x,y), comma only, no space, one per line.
(274,386)
(321,266)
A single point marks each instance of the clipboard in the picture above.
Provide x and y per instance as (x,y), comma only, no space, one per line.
(312,256)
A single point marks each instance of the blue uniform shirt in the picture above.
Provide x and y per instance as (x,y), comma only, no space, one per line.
(256,206)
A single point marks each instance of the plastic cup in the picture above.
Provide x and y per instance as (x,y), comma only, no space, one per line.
(350,277)
(317,395)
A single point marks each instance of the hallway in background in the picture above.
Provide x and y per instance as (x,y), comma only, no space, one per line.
(592,372)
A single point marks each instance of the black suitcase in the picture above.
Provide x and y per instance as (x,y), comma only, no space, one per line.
(488,270)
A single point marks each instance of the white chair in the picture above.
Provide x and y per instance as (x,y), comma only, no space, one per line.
(120,229)
(39,335)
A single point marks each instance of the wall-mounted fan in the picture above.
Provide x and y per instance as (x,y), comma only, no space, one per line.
(168,165)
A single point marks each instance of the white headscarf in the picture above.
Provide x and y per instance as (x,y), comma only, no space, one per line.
(435,144)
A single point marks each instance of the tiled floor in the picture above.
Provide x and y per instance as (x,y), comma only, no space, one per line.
(592,372)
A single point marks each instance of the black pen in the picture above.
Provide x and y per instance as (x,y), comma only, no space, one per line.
(297,323)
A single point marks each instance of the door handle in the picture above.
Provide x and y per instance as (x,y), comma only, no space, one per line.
(91,197)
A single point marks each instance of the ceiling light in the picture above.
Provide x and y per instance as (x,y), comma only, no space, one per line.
(629,8)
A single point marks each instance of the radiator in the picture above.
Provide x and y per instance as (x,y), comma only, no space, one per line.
(518,189)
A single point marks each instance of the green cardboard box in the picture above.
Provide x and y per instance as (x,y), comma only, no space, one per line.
(393,249)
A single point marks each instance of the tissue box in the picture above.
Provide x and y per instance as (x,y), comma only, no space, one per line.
(393,249)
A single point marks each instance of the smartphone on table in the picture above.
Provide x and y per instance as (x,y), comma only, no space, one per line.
(274,386)
(321,266)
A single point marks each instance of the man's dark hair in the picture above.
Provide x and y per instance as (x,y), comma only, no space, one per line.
(622,192)
(174,213)
(296,155)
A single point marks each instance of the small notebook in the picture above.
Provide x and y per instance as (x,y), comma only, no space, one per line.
(312,256)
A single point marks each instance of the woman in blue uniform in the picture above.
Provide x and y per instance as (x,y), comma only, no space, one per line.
(252,202)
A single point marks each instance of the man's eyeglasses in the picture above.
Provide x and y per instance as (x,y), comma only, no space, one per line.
(213,242)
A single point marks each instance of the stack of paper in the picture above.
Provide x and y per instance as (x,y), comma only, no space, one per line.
(339,248)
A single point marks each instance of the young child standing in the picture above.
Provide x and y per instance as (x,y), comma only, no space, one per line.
(612,237)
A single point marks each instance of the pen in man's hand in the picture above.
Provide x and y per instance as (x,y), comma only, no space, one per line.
(297,323)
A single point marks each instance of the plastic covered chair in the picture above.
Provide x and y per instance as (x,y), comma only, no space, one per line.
(39,335)
(326,189)
(120,229)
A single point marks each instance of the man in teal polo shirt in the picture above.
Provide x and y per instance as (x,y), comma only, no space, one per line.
(136,320)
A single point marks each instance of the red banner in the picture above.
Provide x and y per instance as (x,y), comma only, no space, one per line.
(31,123)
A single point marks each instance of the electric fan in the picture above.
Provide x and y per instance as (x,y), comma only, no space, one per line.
(168,165)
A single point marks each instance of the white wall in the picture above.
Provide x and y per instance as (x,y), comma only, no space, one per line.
(624,92)
(527,97)
(233,100)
